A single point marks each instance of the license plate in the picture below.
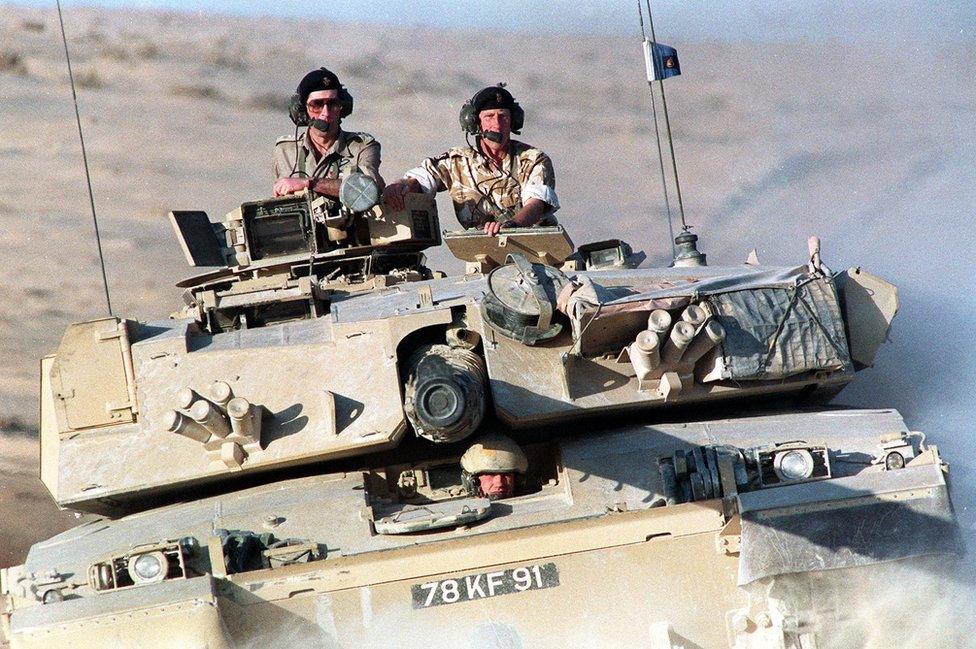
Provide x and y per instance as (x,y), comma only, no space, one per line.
(484,585)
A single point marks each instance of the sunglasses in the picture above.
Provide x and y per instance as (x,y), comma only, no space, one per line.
(319,104)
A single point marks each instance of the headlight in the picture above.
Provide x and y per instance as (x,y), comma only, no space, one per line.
(52,596)
(148,568)
(790,463)
(143,564)
(793,465)
(898,449)
(894,460)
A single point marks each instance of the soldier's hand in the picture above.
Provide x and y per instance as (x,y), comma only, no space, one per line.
(394,193)
(492,228)
(284,186)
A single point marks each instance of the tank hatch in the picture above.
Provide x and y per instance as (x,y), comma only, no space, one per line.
(520,300)
(282,259)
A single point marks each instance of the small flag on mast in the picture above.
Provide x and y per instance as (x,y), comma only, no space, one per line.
(661,61)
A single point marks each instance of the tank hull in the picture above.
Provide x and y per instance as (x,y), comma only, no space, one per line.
(593,558)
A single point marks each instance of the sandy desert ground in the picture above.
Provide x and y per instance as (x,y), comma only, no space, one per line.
(872,146)
(24,502)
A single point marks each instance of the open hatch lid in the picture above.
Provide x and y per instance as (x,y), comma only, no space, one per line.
(542,245)
(403,519)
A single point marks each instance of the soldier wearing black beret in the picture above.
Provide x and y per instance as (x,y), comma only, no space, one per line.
(320,157)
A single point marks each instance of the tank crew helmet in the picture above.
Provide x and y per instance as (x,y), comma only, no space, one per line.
(490,465)
(485,99)
(321,79)
(494,453)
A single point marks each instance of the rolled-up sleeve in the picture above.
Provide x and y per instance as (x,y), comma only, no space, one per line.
(541,183)
(433,174)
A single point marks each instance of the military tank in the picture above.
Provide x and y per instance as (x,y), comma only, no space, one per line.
(281,462)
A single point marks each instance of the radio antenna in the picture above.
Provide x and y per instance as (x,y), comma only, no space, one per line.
(667,126)
(657,138)
(84,157)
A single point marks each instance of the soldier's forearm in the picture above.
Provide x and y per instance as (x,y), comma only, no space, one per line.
(412,184)
(530,214)
(325,186)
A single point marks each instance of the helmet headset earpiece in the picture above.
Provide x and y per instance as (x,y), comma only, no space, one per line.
(321,79)
(296,110)
(497,95)
(470,483)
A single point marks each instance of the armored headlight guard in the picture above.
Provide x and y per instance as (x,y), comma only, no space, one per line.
(142,565)
(720,471)
(898,449)
(791,463)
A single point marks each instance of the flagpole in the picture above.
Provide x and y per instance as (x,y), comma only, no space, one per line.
(657,139)
(667,126)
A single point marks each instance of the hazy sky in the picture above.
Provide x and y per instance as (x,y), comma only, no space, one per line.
(912,22)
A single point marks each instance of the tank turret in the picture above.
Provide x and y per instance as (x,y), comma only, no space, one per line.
(323,336)
(283,259)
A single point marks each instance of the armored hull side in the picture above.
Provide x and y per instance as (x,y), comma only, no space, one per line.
(597,552)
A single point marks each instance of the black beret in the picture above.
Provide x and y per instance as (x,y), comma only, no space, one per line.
(321,79)
(492,97)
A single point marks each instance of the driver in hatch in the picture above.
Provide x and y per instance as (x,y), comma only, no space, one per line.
(490,465)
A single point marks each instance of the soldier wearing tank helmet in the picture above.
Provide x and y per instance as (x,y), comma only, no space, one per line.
(320,157)
(496,183)
(491,465)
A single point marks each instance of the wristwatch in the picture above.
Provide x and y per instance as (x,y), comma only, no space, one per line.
(311,185)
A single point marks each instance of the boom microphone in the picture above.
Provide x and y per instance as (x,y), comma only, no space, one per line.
(320,124)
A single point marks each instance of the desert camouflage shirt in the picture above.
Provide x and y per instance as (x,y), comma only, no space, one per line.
(298,158)
(482,193)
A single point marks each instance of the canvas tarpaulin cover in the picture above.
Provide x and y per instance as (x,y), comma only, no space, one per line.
(773,333)
(778,321)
